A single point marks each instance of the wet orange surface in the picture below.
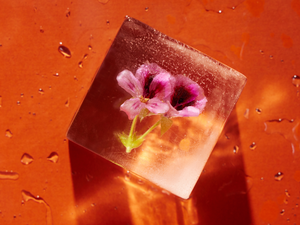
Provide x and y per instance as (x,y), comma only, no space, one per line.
(252,176)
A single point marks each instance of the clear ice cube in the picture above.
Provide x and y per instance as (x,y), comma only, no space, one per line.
(175,160)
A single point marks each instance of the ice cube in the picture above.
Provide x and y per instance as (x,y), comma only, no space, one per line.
(175,160)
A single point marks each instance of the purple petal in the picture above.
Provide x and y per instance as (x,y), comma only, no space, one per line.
(188,98)
(161,87)
(185,91)
(129,83)
(145,70)
(189,111)
(200,104)
(132,107)
(156,106)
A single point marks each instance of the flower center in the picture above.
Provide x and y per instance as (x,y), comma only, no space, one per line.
(143,99)
(182,98)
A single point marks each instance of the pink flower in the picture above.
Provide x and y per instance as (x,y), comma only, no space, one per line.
(188,98)
(149,87)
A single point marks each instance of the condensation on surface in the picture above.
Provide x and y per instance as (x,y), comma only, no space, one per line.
(27,196)
(26,159)
(9,175)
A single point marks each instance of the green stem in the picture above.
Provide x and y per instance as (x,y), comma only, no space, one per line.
(133,126)
(149,130)
(130,137)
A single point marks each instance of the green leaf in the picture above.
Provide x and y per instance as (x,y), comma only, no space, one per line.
(123,138)
(165,124)
(131,142)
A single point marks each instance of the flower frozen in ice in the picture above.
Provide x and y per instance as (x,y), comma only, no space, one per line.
(187,99)
(149,87)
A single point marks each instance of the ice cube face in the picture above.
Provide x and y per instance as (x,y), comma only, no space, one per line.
(175,160)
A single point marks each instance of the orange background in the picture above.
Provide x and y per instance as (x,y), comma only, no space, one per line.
(258,38)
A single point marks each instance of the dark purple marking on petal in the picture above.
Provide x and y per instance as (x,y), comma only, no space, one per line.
(188,98)
(182,98)
(148,80)
(146,74)
(161,86)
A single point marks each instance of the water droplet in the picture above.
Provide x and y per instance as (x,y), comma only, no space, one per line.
(56,75)
(53,157)
(26,159)
(0,101)
(27,196)
(22,95)
(107,22)
(8,133)
(220,11)
(80,64)
(233,7)
(64,51)
(287,193)
(246,114)
(146,9)
(8,175)
(297,205)
(41,91)
(90,47)
(261,178)
(261,51)
(41,29)
(253,146)
(127,176)
(18,103)
(235,149)
(93,204)
(296,80)
(258,110)
(67,103)
(271,57)
(85,56)
(282,212)
(68,13)
(278,176)
(75,78)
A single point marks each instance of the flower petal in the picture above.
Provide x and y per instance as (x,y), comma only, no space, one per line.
(189,111)
(187,100)
(129,83)
(156,106)
(132,107)
(200,104)
(160,86)
(185,91)
(145,70)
